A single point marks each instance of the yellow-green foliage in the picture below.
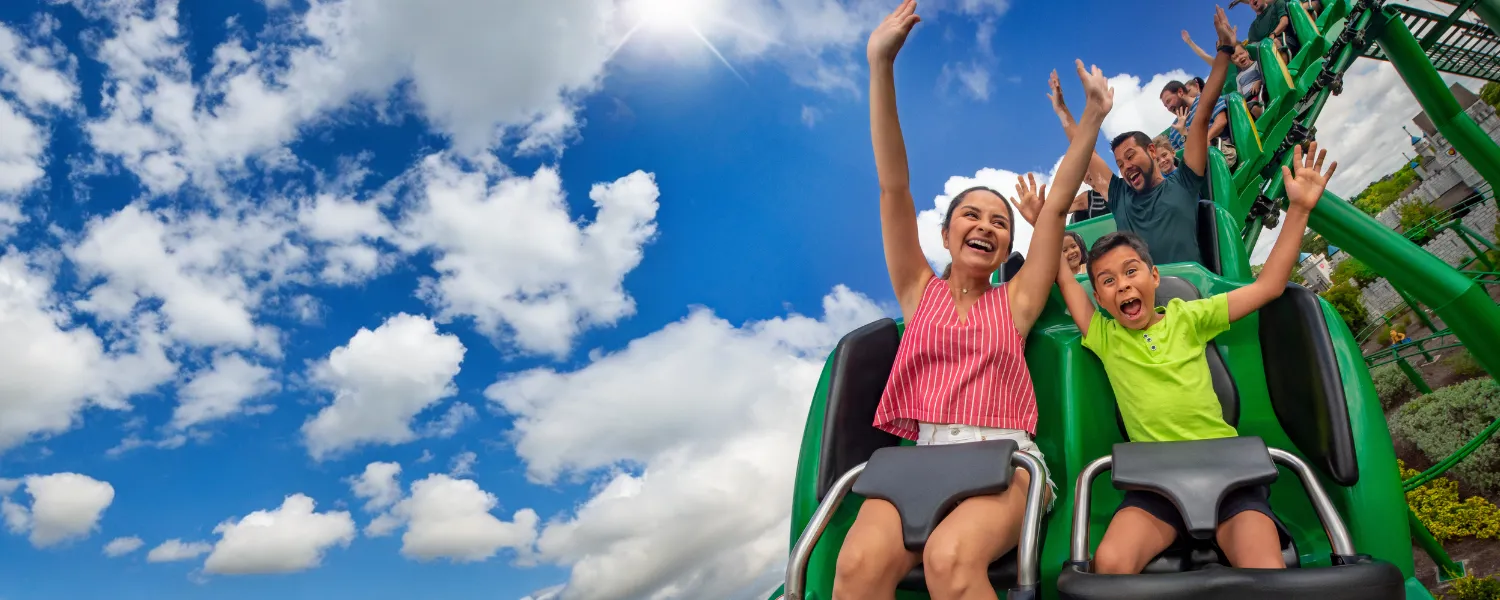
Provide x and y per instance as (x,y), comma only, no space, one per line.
(1470,587)
(1437,504)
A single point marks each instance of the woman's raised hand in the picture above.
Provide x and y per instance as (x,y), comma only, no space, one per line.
(890,34)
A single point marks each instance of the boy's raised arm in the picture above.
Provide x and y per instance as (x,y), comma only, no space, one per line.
(1303,189)
(1078,302)
(1028,291)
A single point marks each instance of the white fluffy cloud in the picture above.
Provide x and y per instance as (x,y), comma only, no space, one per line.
(290,538)
(379,484)
(121,546)
(380,380)
(64,507)
(1137,107)
(221,391)
(174,550)
(451,518)
(50,368)
(657,528)
(36,80)
(542,277)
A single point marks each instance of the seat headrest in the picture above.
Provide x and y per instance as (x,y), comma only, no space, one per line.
(1175,287)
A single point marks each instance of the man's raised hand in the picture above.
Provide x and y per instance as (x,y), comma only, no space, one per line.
(1223,28)
(890,34)
(1096,87)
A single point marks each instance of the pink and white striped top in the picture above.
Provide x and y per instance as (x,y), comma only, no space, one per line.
(950,371)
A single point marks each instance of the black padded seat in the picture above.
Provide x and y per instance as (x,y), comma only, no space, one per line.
(1305,385)
(1208,236)
(861,364)
(1362,581)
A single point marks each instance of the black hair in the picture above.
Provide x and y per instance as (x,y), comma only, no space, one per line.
(1198,81)
(1117,239)
(1009,211)
(1141,139)
(1173,86)
(1083,249)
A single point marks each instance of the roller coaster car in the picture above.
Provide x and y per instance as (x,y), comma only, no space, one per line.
(871,463)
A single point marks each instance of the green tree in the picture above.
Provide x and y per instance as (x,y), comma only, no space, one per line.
(1414,214)
(1312,243)
(1345,299)
(1490,94)
(1381,194)
(1353,269)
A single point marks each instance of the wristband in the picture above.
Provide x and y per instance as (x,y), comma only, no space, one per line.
(1227,49)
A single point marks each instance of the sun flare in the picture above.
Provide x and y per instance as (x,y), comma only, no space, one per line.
(667,14)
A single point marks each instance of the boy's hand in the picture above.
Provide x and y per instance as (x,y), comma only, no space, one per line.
(890,34)
(1181,123)
(1305,186)
(1226,31)
(1096,88)
(1029,198)
(1054,91)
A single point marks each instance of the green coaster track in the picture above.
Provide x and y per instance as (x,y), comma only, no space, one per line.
(1075,402)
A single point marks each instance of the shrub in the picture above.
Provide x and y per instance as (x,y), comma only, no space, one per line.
(1470,587)
(1464,364)
(1391,385)
(1345,299)
(1443,421)
(1448,516)
(1416,213)
(1353,269)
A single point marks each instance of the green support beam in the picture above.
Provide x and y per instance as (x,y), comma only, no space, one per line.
(1411,62)
(1489,12)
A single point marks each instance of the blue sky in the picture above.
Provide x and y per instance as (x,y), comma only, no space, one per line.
(379,300)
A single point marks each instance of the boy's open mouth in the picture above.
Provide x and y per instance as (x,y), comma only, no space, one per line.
(1131,309)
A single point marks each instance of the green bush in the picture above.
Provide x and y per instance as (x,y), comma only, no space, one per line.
(1443,421)
(1353,269)
(1381,194)
(1470,587)
(1417,213)
(1391,385)
(1345,299)
(1464,364)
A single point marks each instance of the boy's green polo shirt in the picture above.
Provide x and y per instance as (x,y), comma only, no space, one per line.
(1160,376)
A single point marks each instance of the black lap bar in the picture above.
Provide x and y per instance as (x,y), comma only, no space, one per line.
(925,483)
(1195,475)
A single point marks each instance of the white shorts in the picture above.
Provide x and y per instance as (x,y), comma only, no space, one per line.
(939,434)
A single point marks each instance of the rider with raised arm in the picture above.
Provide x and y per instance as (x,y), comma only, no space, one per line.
(959,373)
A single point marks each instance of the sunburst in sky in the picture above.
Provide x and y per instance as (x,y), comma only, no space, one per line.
(674,17)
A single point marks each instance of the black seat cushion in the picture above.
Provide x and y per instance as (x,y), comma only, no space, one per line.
(1208,236)
(1366,581)
(1305,386)
(861,364)
(1195,476)
(1012,266)
(925,483)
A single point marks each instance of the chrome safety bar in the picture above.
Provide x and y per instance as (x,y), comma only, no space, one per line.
(1027,574)
(1338,534)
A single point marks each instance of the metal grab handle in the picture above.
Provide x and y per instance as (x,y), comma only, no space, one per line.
(1078,552)
(1027,574)
(1333,524)
(796,568)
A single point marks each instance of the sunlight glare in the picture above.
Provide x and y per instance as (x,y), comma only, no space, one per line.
(667,14)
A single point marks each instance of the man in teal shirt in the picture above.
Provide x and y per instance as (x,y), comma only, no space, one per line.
(1270,19)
